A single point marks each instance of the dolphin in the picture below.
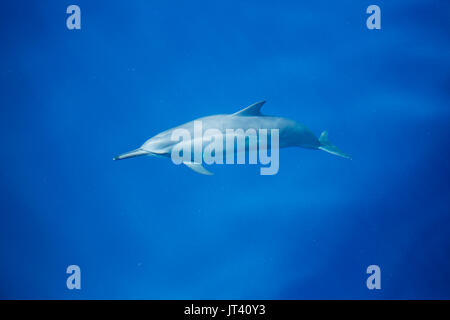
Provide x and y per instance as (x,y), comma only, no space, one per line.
(291,134)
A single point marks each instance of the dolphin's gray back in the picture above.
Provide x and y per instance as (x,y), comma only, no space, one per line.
(291,133)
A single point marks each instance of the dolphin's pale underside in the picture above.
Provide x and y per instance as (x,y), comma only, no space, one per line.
(291,134)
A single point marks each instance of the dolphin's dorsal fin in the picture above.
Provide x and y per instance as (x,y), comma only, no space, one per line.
(253,110)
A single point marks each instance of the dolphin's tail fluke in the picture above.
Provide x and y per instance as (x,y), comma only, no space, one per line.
(131,154)
(327,146)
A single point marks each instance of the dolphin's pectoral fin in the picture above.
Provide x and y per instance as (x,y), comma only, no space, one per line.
(197,167)
(327,146)
(253,110)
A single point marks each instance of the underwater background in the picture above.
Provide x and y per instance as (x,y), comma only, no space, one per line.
(145,228)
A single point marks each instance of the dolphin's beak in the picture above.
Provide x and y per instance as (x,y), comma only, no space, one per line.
(131,154)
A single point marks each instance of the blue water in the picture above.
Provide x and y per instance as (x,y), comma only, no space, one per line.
(145,228)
